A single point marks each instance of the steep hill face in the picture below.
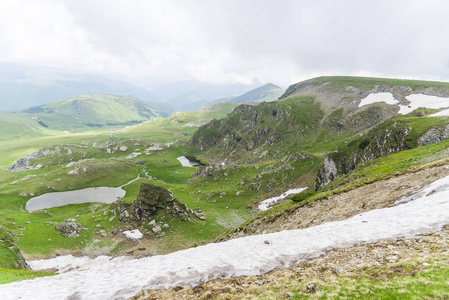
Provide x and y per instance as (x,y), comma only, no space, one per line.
(258,133)
(96,110)
(334,92)
(316,115)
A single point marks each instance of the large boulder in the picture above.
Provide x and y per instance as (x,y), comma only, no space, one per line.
(152,199)
(69,229)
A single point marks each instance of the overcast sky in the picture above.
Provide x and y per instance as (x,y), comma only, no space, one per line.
(279,41)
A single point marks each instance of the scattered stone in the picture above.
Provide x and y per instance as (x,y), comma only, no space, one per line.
(267,242)
(290,294)
(165,226)
(28,222)
(112,218)
(312,288)
(69,229)
(98,225)
(337,271)
(157,229)
(153,222)
(107,144)
(133,155)
(261,282)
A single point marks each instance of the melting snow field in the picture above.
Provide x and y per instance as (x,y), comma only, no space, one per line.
(185,162)
(122,277)
(416,101)
(266,204)
(378,97)
(419,100)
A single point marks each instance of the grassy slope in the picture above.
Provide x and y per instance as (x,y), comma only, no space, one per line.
(36,236)
(222,211)
(371,82)
(95,110)
(268,92)
(373,170)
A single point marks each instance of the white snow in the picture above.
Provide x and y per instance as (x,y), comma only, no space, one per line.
(378,97)
(420,100)
(266,204)
(185,162)
(134,234)
(443,113)
(416,101)
(119,278)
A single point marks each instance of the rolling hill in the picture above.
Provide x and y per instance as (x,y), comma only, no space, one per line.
(356,144)
(96,110)
(268,92)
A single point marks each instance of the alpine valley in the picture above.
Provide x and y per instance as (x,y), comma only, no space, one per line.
(175,186)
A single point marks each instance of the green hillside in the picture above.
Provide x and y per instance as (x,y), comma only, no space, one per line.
(96,110)
(268,92)
(248,153)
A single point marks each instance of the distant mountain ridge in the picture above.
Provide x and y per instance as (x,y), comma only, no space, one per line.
(268,92)
(24,85)
(96,110)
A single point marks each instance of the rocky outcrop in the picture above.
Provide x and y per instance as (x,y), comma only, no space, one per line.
(390,137)
(26,163)
(251,134)
(150,200)
(70,228)
(434,135)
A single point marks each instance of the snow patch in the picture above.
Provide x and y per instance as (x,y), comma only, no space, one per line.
(120,278)
(134,234)
(185,162)
(266,204)
(420,100)
(378,97)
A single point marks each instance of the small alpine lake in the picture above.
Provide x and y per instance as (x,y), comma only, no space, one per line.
(96,194)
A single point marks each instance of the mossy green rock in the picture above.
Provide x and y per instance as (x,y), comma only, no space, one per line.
(153,198)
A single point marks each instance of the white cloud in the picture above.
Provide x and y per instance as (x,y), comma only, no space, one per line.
(231,41)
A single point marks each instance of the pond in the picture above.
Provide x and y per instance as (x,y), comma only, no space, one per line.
(97,194)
